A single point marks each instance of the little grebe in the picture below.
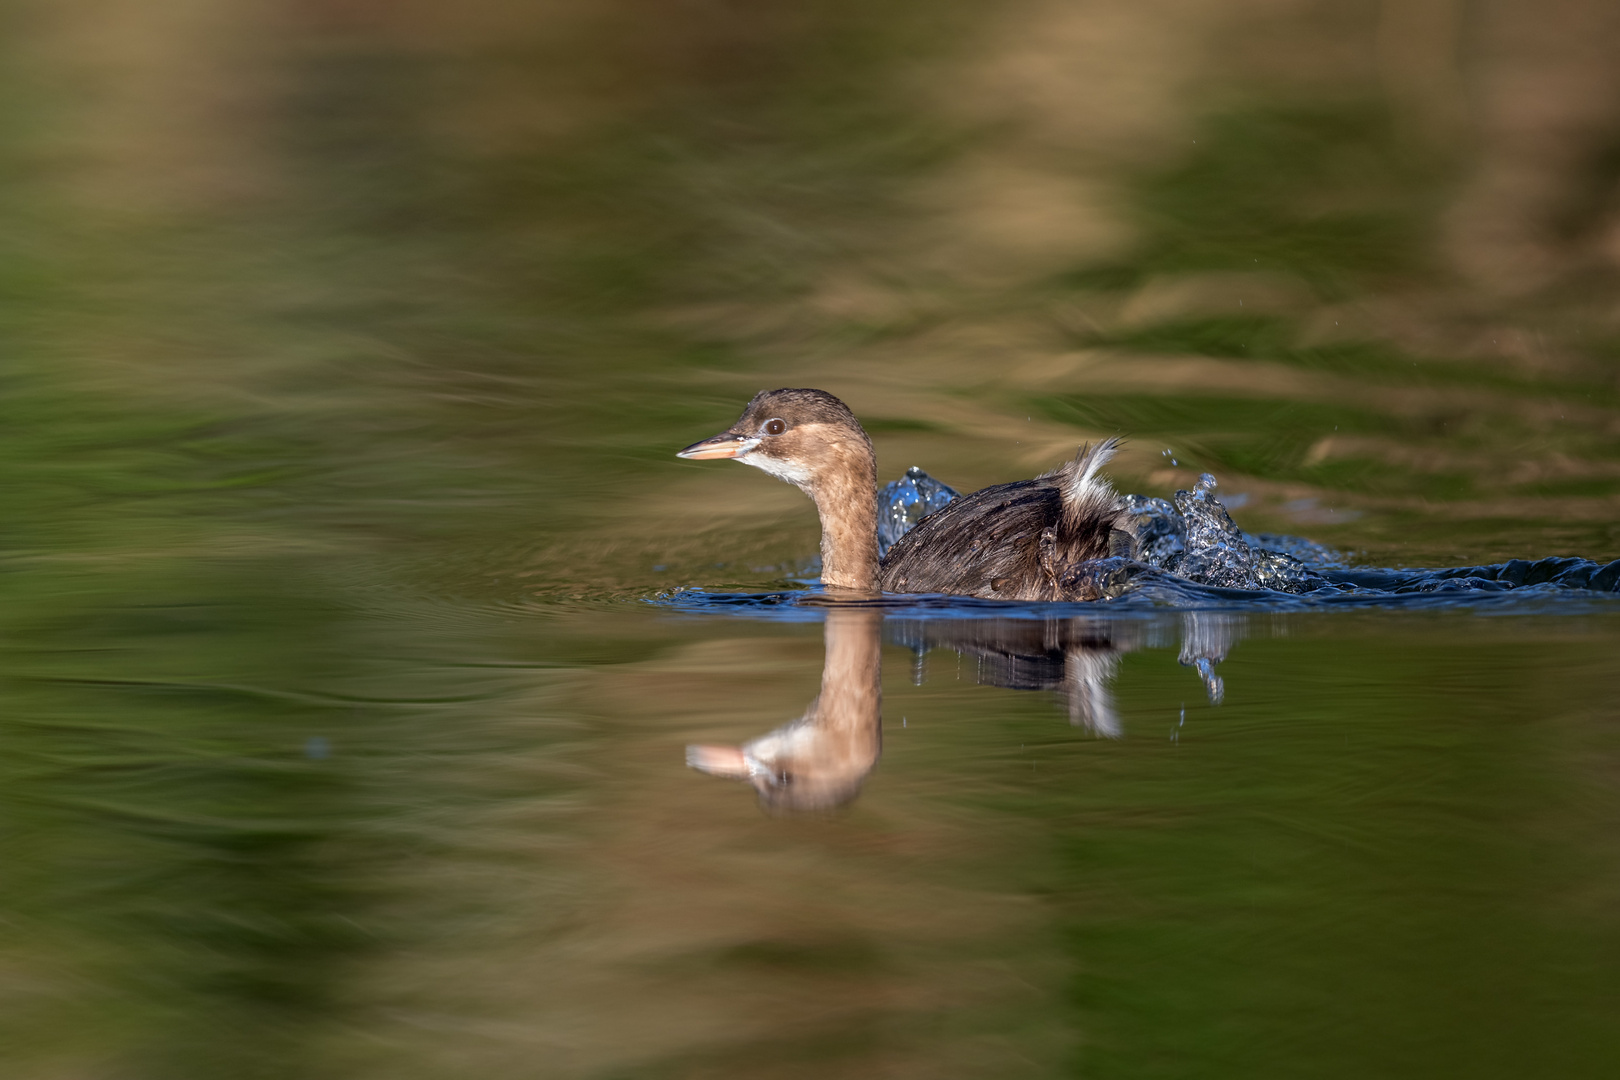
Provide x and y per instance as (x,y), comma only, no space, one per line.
(1027,540)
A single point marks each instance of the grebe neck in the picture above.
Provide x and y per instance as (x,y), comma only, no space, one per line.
(846,500)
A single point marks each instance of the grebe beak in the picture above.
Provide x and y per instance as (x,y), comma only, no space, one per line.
(727,444)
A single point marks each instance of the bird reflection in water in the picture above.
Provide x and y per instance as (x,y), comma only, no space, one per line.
(1075,657)
(819,761)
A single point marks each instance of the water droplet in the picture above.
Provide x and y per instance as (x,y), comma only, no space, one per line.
(904,502)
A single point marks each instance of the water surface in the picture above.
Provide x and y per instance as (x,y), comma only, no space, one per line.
(357,617)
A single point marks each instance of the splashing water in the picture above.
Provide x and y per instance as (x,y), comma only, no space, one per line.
(1161,534)
(1193,538)
(1216,552)
(905,502)
(1194,541)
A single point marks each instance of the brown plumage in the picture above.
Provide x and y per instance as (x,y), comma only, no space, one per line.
(1028,540)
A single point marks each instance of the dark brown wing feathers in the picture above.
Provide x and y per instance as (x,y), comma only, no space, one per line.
(1013,541)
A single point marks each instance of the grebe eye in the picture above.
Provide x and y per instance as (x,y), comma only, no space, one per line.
(775,427)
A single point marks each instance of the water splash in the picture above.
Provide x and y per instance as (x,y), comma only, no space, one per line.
(1185,546)
(906,501)
(1196,539)
(1160,532)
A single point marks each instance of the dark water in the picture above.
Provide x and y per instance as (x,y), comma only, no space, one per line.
(356,617)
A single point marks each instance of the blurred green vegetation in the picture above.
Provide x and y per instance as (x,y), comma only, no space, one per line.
(1264,436)
(1332,192)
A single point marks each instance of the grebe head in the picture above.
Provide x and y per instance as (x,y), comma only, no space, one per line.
(810,439)
(800,436)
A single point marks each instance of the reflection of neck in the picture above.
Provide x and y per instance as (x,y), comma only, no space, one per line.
(846,500)
(850,704)
(818,761)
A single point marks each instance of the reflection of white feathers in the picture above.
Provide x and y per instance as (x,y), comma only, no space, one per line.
(798,740)
(1086,675)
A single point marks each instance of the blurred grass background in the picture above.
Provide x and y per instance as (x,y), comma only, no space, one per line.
(448,273)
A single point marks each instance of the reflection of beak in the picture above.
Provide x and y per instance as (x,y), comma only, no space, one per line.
(727,761)
(731,762)
(727,444)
